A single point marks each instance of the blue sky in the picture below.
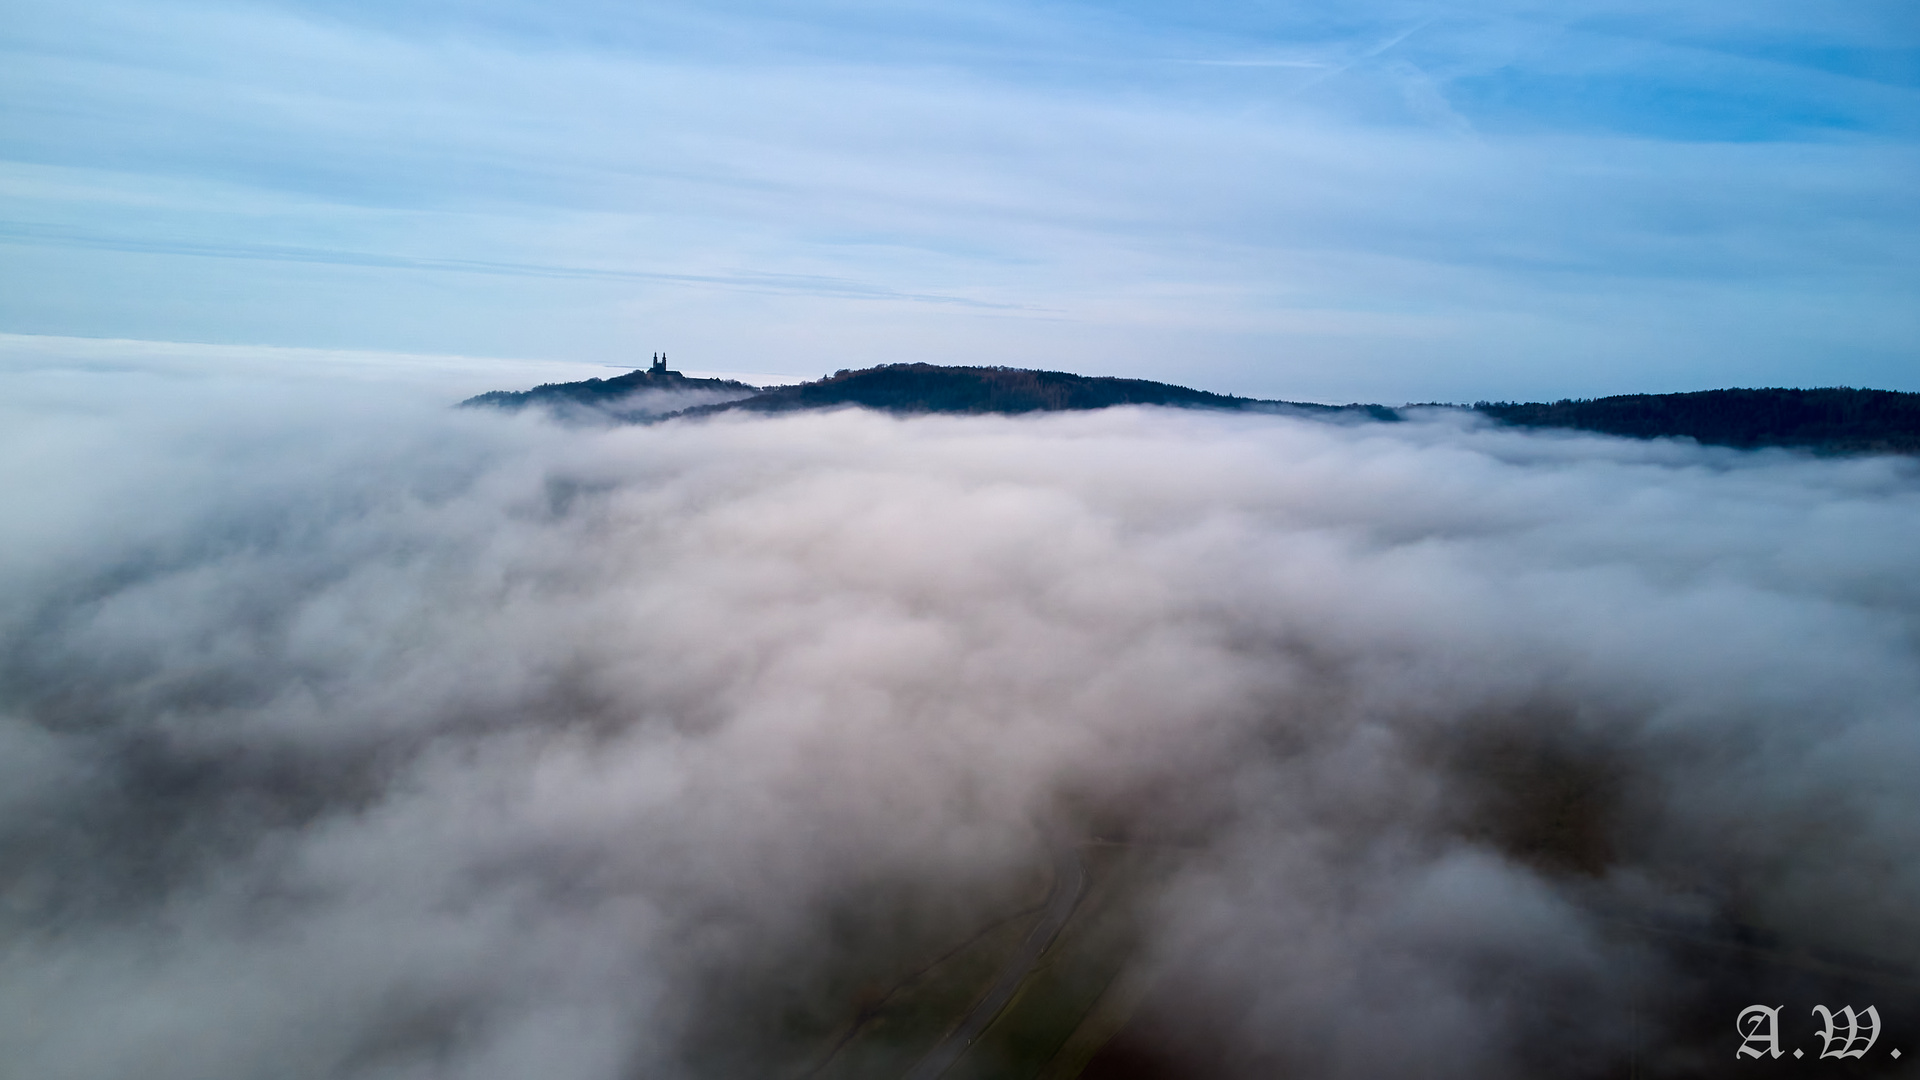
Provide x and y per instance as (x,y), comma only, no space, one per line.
(1384,201)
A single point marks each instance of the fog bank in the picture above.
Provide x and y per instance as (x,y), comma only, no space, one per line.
(350,735)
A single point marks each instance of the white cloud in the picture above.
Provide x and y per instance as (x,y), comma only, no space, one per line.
(374,738)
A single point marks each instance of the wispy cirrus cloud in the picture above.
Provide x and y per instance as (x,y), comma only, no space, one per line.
(812,285)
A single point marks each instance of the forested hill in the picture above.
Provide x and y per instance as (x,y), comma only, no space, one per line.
(927,388)
(603,391)
(898,388)
(1832,420)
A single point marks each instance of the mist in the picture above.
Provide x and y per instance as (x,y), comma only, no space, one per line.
(348,734)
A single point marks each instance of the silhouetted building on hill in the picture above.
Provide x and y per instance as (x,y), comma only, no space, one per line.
(659,364)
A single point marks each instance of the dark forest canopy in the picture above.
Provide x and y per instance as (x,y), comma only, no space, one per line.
(1830,420)
(915,388)
(928,388)
(601,391)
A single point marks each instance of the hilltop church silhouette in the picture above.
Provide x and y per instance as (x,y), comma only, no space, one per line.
(659,364)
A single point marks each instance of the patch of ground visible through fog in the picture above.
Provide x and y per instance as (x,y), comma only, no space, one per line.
(378,739)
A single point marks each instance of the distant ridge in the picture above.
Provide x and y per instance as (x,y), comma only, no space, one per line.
(602,391)
(905,388)
(929,388)
(1830,420)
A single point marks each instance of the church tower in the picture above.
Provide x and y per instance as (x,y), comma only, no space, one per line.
(659,364)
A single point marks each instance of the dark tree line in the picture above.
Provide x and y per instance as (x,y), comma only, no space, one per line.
(599,391)
(1831,420)
(925,388)
(1834,419)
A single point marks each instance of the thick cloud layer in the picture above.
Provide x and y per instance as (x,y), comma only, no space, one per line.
(388,740)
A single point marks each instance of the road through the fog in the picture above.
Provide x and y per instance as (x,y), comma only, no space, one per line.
(1069,883)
